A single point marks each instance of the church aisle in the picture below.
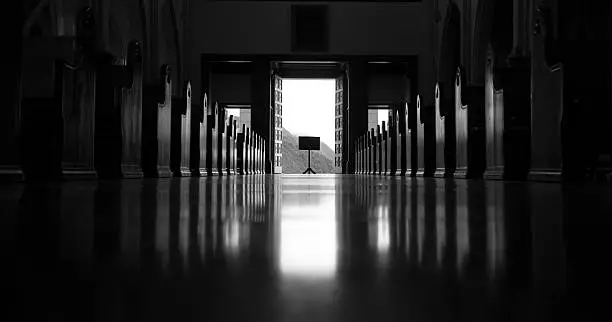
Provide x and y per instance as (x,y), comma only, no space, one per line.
(299,248)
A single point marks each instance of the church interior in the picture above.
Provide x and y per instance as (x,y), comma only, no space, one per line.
(130,192)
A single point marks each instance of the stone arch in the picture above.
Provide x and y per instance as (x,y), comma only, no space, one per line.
(450,54)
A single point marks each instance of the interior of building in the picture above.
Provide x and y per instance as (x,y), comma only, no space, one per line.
(141,175)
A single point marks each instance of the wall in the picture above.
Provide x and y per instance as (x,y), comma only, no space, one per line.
(355,28)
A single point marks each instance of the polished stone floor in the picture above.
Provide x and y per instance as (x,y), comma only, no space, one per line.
(304,248)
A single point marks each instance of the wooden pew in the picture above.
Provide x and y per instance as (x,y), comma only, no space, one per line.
(260,155)
(180,160)
(253,152)
(407,153)
(156,130)
(222,141)
(231,146)
(439,123)
(363,154)
(201,149)
(397,146)
(119,118)
(508,122)
(248,148)
(379,150)
(420,133)
(358,154)
(212,140)
(386,151)
(258,162)
(241,151)
(372,153)
(56,115)
(470,129)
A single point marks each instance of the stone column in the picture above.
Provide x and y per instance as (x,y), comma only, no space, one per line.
(357,110)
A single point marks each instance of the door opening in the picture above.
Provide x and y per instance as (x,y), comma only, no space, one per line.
(306,107)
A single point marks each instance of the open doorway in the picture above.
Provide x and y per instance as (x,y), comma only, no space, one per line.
(306,107)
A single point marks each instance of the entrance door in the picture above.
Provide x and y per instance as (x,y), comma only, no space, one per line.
(278,123)
(339,164)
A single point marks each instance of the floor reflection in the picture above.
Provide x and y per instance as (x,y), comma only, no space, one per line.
(308,243)
(325,248)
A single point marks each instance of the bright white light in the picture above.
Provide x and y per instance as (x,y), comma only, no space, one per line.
(309,108)
(308,246)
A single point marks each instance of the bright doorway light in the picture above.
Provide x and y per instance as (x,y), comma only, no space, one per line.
(308,109)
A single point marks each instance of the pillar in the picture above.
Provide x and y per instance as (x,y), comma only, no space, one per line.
(357,110)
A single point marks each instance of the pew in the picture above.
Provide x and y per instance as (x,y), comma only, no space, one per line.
(57,109)
(379,150)
(470,129)
(508,122)
(372,153)
(180,160)
(420,133)
(232,147)
(247,146)
(439,124)
(156,128)
(391,144)
(359,156)
(363,159)
(364,154)
(201,149)
(406,143)
(241,151)
(257,154)
(254,152)
(119,132)
(386,151)
(397,146)
(212,140)
(222,141)
(262,147)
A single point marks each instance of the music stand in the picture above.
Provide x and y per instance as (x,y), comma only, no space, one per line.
(309,143)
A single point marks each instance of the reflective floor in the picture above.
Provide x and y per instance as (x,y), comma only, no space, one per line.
(295,248)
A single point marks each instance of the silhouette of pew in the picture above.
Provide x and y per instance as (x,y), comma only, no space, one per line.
(156,130)
(420,133)
(260,154)
(248,152)
(56,111)
(119,137)
(385,149)
(508,122)
(372,153)
(202,146)
(363,158)
(396,165)
(230,160)
(379,150)
(180,159)
(406,145)
(439,124)
(470,129)
(256,154)
(212,139)
(241,151)
(359,155)
(221,141)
